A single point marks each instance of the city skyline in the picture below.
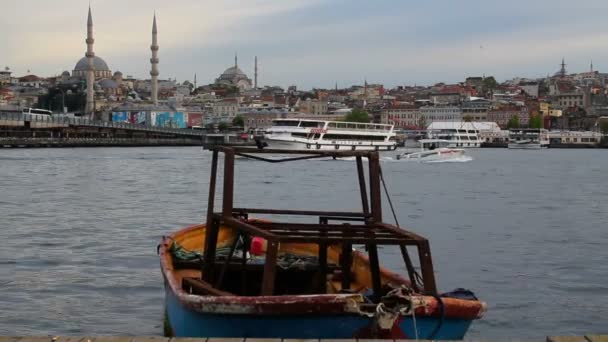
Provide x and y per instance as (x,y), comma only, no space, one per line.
(311,43)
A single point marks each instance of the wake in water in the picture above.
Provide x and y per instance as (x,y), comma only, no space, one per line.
(463,159)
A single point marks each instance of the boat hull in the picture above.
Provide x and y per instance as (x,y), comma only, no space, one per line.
(328,315)
(185,322)
(435,155)
(327,145)
(531,146)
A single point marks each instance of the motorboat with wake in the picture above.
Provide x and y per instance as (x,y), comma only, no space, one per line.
(241,276)
(433,150)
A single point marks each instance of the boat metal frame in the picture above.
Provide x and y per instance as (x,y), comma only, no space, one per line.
(370,230)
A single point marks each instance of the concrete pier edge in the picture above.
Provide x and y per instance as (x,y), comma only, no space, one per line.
(585,338)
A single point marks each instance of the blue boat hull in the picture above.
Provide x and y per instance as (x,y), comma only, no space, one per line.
(185,322)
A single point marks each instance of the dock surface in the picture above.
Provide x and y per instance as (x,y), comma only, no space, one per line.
(585,338)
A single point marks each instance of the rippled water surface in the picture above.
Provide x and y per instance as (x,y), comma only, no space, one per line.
(526,230)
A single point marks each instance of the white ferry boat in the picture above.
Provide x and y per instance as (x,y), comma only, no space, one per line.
(433,150)
(302,134)
(458,133)
(528,138)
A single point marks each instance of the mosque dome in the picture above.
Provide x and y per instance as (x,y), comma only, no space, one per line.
(65,73)
(101,68)
(234,76)
(233,71)
(98,63)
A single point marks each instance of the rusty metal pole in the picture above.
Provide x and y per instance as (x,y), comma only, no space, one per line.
(228,192)
(211,200)
(210,227)
(411,271)
(376,205)
(272,251)
(346,263)
(374,186)
(362,187)
(322,274)
(426,265)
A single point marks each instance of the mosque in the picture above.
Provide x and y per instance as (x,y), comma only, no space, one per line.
(234,76)
(101,81)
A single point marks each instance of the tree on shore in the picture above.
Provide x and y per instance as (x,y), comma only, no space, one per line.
(222,126)
(513,122)
(604,127)
(489,83)
(238,121)
(422,122)
(357,115)
(536,121)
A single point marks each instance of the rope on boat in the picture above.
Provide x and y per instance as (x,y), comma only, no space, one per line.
(417,278)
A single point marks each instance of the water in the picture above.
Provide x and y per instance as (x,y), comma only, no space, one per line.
(526,230)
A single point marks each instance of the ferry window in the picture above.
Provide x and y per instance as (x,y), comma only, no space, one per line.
(310,124)
(286,123)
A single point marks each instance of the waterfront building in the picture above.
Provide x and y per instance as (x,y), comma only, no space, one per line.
(31,81)
(312,106)
(440,113)
(503,114)
(475,109)
(401,116)
(530,88)
(234,76)
(573,99)
(257,118)
(5,76)
(575,137)
(475,83)
(227,108)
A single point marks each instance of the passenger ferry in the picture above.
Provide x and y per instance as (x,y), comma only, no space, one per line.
(459,134)
(302,134)
(528,138)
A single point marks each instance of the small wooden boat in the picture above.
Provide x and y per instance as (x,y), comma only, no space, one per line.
(308,282)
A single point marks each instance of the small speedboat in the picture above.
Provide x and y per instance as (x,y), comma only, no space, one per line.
(433,150)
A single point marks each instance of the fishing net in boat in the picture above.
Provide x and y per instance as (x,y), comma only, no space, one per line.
(284,261)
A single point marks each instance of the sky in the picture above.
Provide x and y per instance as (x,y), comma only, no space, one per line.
(311,43)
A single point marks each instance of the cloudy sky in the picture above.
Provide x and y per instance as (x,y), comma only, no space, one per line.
(311,43)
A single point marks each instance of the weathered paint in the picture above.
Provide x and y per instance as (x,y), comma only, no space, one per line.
(188,323)
(299,304)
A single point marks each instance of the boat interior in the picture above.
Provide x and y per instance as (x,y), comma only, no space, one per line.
(234,253)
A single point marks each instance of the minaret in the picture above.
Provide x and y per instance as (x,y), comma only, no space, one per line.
(562,70)
(236,65)
(154,62)
(195,81)
(592,65)
(90,74)
(255,74)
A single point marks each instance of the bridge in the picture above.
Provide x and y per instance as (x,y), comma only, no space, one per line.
(32,130)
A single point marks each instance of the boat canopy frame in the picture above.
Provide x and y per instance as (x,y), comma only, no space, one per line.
(371,231)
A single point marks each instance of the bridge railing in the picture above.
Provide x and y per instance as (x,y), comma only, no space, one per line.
(73,121)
